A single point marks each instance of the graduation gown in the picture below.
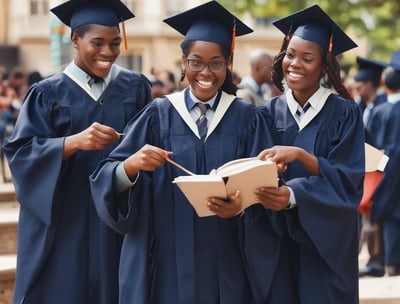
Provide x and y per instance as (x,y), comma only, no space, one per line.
(386,202)
(369,127)
(65,253)
(169,254)
(322,228)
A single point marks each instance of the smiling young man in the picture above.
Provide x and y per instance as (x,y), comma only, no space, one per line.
(68,123)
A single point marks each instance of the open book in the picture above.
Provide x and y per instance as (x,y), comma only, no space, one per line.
(245,175)
(375,160)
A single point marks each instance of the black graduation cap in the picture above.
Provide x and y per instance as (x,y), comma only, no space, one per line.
(76,13)
(315,25)
(395,60)
(369,69)
(392,74)
(208,22)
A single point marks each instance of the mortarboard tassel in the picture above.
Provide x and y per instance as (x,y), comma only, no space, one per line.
(330,44)
(233,45)
(330,47)
(124,35)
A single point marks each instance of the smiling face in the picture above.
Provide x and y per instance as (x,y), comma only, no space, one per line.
(97,49)
(303,68)
(204,84)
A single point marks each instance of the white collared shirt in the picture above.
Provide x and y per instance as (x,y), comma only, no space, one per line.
(317,101)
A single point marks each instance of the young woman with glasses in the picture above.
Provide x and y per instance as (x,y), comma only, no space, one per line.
(170,255)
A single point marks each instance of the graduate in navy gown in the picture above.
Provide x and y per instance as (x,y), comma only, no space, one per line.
(321,143)
(386,203)
(369,95)
(67,125)
(170,255)
(367,85)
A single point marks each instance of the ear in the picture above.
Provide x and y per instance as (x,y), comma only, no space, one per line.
(74,39)
(183,66)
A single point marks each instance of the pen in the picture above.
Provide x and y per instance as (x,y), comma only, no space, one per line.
(179,166)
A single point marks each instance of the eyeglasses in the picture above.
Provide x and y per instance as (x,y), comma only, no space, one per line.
(214,66)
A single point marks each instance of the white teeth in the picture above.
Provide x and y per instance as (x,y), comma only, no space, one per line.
(205,83)
(105,63)
(294,75)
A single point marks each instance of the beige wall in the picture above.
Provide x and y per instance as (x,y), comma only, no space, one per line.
(4,21)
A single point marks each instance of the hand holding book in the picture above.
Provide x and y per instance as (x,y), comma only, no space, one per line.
(245,175)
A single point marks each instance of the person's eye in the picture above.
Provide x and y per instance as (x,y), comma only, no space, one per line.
(97,45)
(196,62)
(217,65)
(307,60)
(289,55)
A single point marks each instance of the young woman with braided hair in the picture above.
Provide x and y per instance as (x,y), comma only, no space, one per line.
(319,139)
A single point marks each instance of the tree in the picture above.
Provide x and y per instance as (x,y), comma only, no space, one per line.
(374,20)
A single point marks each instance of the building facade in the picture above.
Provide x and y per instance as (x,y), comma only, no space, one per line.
(39,42)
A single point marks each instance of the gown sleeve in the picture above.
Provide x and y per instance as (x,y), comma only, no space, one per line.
(327,204)
(35,155)
(386,196)
(118,210)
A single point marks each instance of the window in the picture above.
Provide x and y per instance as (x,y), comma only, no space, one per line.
(174,6)
(39,7)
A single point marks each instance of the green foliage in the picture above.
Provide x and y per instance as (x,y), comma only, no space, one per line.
(373,20)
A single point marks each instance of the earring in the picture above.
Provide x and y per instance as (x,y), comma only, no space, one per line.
(183,75)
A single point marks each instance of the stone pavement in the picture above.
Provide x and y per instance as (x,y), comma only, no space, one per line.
(383,290)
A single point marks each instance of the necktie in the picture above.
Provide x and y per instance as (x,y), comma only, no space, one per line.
(202,120)
(302,111)
(96,86)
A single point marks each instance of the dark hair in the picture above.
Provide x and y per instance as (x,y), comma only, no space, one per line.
(83,29)
(391,78)
(332,71)
(228,86)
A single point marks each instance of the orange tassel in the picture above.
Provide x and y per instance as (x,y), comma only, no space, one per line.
(124,35)
(233,45)
(330,44)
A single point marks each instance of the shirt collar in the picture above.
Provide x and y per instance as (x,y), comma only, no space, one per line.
(393,98)
(316,100)
(83,77)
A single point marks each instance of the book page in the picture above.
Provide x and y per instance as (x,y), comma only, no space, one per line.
(197,188)
(262,175)
(375,160)
(244,175)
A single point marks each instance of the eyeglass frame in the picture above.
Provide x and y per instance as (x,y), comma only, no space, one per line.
(204,64)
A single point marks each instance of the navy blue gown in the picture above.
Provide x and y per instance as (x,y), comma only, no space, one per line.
(66,254)
(321,233)
(369,128)
(386,202)
(170,255)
